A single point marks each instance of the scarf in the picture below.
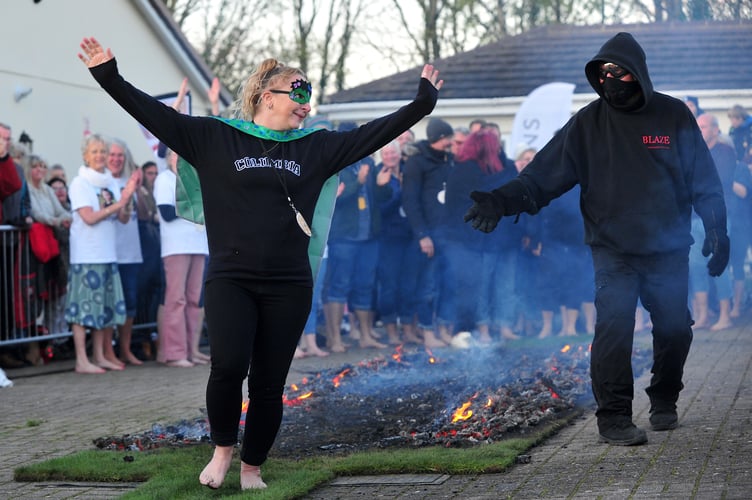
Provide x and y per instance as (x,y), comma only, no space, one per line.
(96,179)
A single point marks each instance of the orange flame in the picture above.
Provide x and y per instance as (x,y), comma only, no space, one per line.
(294,387)
(489,403)
(462,413)
(338,379)
(566,348)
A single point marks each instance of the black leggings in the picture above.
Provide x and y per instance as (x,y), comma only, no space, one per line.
(251,324)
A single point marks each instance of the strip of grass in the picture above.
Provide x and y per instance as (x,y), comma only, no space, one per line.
(173,472)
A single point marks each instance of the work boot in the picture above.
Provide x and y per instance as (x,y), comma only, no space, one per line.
(621,431)
(663,415)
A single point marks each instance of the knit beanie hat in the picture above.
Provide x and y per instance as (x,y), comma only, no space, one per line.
(438,129)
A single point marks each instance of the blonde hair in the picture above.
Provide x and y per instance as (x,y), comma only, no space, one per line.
(28,163)
(266,75)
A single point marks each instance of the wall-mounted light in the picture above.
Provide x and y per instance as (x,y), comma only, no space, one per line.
(21,92)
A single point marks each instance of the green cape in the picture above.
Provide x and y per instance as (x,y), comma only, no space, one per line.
(189,202)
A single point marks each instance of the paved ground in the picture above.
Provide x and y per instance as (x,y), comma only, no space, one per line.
(709,456)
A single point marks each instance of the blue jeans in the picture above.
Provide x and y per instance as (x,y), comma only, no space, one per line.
(130,276)
(393,293)
(351,273)
(318,286)
(420,281)
(699,279)
(464,266)
(499,304)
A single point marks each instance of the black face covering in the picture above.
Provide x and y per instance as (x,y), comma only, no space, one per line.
(622,95)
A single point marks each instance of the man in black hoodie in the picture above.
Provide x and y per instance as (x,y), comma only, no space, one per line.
(642,166)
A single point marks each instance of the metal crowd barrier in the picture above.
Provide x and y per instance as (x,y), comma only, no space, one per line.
(29,311)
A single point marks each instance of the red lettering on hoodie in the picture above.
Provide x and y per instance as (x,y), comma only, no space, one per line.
(657,141)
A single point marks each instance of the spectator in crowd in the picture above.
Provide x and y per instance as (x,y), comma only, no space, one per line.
(62,233)
(11,184)
(476,125)
(56,171)
(741,133)
(477,167)
(423,186)
(46,209)
(735,182)
(693,103)
(94,299)
(460,134)
(395,240)
(151,279)
(184,249)
(636,203)
(354,250)
(260,181)
(121,165)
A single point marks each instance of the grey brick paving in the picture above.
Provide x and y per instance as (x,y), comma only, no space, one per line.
(51,413)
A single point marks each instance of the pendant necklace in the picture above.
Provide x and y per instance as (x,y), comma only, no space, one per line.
(298,216)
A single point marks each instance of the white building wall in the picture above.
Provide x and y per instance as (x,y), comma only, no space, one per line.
(40,43)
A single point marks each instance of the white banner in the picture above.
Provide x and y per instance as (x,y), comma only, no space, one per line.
(166,99)
(544,111)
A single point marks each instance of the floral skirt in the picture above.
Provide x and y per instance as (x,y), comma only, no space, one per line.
(95,296)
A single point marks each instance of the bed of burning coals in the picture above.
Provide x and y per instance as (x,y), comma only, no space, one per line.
(453,398)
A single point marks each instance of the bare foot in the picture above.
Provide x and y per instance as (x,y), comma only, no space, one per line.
(394,340)
(445,337)
(485,338)
(721,325)
(200,355)
(338,347)
(198,361)
(114,360)
(411,338)
(131,358)
(735,313)
(430,341)
(317,352)
(89,368)
(567,334)
(507,333)
(546,332)
(367,342)
(106,363)
(180,363)
(215,471)
(299,353)
(250,477)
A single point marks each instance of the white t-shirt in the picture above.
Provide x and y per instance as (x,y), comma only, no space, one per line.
(128,240)
(92,244)
(179,236)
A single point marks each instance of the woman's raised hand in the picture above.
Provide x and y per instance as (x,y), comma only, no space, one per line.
(93,53)
(432,75)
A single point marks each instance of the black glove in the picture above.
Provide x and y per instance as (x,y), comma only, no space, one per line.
(716,243)
(486,211)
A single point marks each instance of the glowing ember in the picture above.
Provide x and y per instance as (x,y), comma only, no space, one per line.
(566,348)
(397,356)
(338,379)
(297,400)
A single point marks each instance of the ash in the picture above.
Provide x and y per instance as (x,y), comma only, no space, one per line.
(415,398)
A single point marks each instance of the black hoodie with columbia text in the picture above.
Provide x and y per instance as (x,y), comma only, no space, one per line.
(642,167)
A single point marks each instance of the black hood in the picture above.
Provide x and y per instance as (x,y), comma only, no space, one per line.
(622,49)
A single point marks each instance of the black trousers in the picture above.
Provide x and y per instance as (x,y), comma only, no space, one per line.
(253,330)
(660,281)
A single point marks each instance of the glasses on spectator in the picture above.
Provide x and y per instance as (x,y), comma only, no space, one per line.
(613,69)
(300,93)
